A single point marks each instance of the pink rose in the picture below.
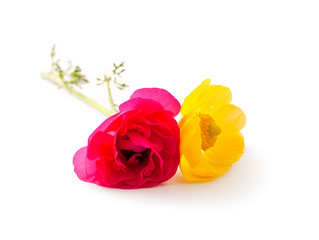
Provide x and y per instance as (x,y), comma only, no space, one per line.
(137,147)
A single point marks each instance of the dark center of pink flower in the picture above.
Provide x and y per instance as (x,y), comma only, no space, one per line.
(133,147)
(135,158)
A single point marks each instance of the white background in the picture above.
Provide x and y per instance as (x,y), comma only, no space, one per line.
(267,52)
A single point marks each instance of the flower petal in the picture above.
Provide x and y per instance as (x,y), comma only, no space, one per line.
(215,161)
(100,144)
(229,118)
(146,105)
(190,134)
(206,96)
(139,140)
(79,164)
(105,124)
(193,152)
(201,173)
(227,149)
(85,169)
(161,96)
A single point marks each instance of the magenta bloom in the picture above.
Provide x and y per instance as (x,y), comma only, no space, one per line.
(137,147)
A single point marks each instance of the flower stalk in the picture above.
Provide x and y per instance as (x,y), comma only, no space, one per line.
(71,77)
(54,78)
(109,94)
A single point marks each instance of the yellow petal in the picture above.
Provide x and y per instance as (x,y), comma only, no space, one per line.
(229,118)
(188,126)
(216,95)
(227,149)
(195,94)
(215,161)
(190,145)
(206,96)
(200,173)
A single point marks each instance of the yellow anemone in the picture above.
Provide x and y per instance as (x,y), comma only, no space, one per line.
(210,137)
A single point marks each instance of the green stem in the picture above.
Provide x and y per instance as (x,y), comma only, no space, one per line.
(89,101)
(57,80)
(111,102)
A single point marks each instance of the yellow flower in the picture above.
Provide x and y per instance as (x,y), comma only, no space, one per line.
(210,137)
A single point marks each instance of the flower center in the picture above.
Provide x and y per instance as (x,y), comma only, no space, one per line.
(209,131)
(134,158)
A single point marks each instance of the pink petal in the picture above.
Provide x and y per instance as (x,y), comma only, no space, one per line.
(125,144)
(105,124)
(139,140)
(100,144)
(79,164)
(162,96)
(149,168)
(139,124)
(147,105)
(85,169)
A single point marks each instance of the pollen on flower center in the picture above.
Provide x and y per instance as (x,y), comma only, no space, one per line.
(209,131)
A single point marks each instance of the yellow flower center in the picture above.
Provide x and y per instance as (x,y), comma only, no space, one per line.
(209,131)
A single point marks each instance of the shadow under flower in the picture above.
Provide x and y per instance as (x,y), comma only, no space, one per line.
(243,180)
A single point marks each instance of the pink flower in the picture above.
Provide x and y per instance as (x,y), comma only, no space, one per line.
(137,147)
